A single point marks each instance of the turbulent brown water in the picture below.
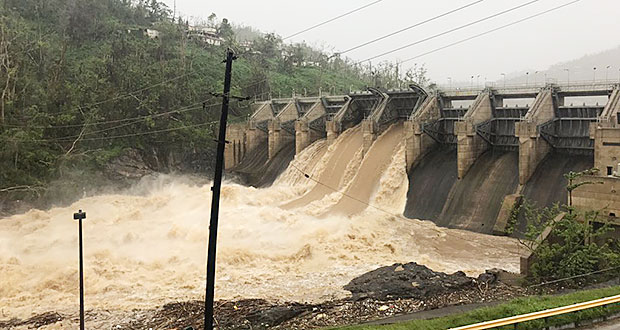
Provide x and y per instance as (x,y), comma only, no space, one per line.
(143,250)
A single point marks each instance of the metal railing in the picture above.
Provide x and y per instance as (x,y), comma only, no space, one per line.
(541,314)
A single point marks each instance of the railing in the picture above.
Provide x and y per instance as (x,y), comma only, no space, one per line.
(541,314)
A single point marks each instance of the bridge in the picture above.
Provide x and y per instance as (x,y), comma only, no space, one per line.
(530,122)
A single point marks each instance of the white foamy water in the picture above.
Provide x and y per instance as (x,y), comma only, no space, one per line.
(146,250)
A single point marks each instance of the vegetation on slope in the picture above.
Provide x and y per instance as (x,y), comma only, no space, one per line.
(82,81)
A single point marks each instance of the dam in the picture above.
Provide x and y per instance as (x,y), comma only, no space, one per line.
(470,155)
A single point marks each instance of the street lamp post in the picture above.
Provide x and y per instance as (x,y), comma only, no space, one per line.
(527,78)
(504,75)
(535,78)
(472,82)
(607,73)
(450,82)
(567,76)
(594,75)
(478,81)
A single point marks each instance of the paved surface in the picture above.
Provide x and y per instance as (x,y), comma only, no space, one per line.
(609,325)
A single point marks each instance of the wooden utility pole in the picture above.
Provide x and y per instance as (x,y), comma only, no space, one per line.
(217,185)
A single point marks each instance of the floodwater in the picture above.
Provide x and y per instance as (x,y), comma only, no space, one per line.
(148,247)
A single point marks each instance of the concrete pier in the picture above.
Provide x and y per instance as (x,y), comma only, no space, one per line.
(470,145)
(532,147)
(417,143)
(282,128)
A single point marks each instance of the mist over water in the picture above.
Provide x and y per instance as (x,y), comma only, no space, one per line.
(149,248)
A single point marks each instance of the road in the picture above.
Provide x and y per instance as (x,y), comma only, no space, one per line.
(608,325)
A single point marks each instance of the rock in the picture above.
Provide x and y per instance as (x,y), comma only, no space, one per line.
(276,315)
(129,165)
(413,281)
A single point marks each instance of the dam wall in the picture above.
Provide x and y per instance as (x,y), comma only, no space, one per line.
(467,167)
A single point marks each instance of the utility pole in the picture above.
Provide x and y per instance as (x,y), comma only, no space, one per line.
(215,203)
(81,216)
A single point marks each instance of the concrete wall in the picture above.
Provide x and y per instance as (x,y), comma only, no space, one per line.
(278,137)
(369,132)
(333,130)
(236,146)
(606,148)
(304,136)
(417,143)
(602,196)
(532,147)
(469,144)
(254,137)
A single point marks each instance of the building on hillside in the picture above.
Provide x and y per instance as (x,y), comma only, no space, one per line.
(151,33)
(207,35)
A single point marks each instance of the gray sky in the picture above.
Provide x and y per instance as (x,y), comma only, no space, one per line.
(586,27)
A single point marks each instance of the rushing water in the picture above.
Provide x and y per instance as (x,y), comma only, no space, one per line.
(148,248)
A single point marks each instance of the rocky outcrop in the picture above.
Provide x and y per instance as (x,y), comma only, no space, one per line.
(406,281)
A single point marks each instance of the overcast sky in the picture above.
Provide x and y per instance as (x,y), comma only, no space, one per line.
(586,27)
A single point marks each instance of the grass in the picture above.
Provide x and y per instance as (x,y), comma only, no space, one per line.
(514,307)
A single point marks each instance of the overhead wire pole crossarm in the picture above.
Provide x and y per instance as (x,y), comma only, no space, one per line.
(492,30)
(409,27)
(450,31)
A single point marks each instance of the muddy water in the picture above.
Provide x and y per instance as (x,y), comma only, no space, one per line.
(341,154)
(148,248)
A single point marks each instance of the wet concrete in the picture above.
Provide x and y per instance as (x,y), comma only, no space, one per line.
(547,186)
(430,182)
(258,171)
(474,201)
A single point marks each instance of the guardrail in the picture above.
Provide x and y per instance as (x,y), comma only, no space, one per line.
(542,314)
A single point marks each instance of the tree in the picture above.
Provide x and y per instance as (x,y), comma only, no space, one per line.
(225,31)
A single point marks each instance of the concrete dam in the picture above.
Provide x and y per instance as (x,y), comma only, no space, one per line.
(470,155)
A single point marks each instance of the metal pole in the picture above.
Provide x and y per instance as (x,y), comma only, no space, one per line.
(215,203)
(80,216)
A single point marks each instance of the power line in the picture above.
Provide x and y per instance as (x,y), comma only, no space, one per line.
(490,31)
(574,276)
(118,136)
(180,110)
(70,138)
(370,205)
(331,20)
(450,31)
(408,28)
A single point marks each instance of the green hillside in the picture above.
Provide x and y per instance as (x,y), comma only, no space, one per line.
(83,81)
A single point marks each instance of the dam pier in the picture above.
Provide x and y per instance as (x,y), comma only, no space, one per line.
(471,155)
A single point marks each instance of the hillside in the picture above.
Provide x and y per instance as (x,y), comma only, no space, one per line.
(580,70)
(83,83)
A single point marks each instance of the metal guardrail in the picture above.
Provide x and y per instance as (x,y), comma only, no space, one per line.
(541,314)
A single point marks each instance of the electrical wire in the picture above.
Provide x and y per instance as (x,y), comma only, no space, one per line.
(180,110)
(491,31)
(118,136)
(450,31)
(331,20)
(373,206)
(408,28)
